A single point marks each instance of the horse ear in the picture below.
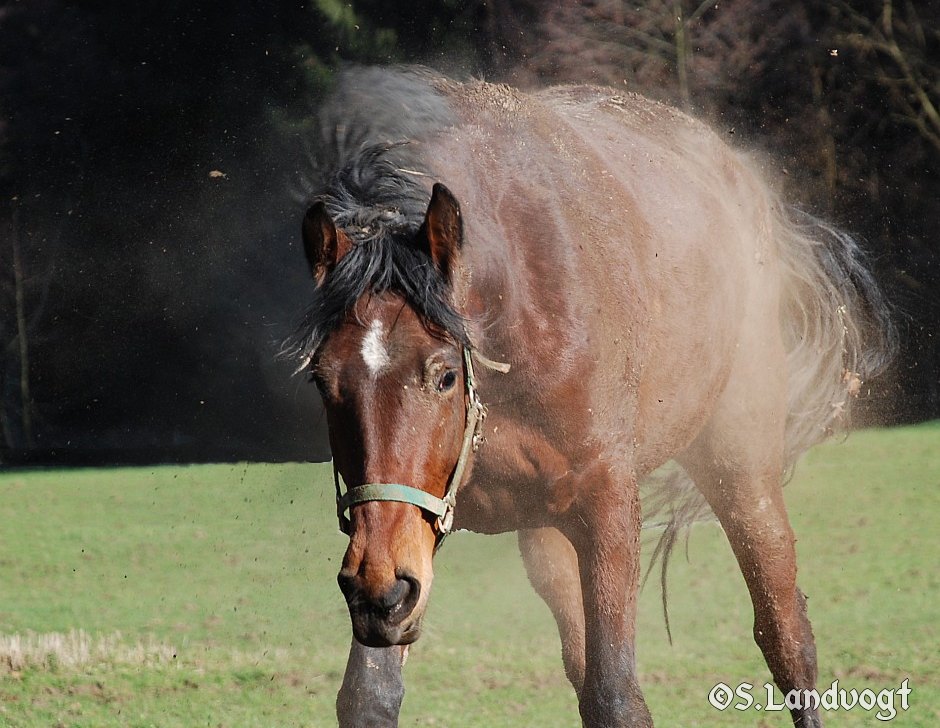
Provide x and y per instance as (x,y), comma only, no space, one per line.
(443,229)
(324,245)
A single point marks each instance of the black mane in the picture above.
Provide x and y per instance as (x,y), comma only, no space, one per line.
(375,197)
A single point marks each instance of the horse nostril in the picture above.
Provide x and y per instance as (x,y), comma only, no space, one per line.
(346,583)
(392,607)
(392,599)
(399,601)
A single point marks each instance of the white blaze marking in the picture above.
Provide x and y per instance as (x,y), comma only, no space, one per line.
(374,353)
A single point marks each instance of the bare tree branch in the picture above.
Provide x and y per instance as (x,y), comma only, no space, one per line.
(880,39)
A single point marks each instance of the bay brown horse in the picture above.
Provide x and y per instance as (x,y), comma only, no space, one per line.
(619,288)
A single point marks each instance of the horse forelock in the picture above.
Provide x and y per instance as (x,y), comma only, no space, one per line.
(375,194)
(380,206)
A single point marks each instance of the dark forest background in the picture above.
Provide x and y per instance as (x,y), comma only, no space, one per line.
(152,157)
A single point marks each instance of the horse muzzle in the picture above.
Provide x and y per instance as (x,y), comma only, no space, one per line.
(384,617)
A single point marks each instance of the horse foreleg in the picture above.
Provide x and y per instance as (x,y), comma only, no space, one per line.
(372,688)
(552,565)
(752,513)
(604,527)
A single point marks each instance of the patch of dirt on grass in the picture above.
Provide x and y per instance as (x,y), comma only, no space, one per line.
(57,651)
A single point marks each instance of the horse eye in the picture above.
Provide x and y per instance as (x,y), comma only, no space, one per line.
(447,381)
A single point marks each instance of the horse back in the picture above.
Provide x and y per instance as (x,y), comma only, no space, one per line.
(624,240)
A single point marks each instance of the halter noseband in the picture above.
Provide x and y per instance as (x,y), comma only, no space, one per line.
(442,508)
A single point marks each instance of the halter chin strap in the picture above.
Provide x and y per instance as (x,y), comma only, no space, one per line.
(442,508)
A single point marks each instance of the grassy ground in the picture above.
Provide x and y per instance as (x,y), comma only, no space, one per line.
(206,597)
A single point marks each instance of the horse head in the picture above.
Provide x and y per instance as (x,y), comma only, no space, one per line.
(393,381)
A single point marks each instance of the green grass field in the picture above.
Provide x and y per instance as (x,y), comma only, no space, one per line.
(206,596)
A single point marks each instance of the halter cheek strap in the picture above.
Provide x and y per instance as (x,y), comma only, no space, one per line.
(441,508)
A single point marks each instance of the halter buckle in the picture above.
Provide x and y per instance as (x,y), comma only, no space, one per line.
(445,523)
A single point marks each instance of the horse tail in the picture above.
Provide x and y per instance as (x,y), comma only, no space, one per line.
(837,325)
(838,332)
